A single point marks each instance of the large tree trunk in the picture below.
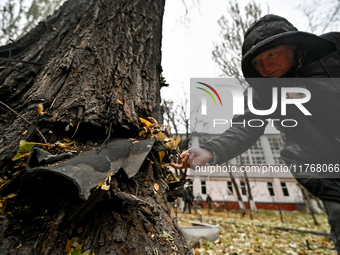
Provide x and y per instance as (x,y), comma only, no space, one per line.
(92,56)
(95,67)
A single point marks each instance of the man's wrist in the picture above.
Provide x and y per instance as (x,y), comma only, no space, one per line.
(214,160)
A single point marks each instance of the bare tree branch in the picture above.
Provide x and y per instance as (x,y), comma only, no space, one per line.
(321,19)
(228,54)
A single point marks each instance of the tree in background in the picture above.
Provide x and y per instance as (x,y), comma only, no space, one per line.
(177,115)
(19,16)
(170,115)
(322,16)
(228,53)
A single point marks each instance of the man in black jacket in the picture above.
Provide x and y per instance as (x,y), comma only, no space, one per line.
(274,48)
(188,199)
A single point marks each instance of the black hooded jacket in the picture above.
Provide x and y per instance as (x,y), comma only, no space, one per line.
(316,138)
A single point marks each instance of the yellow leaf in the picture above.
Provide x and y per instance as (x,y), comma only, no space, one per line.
(88,252)
(40,109)
(68,245)
(79,247)
(71,243)
(120,102)
(141,133)
(68,140)
(161,136)
(144,122)
(161,155)
(171,178)
(3,184)
(178,140)
(171,144)
(156,186)
(11,195)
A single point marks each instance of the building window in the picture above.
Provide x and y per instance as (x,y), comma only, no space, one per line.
(191,185)
(243,188)
(245,159)
(253,156)
(284,189)
(270,189)
(230,188)
(275,146)
(257,154)
(203,187)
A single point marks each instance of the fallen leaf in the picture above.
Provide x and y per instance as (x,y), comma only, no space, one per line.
(178,140)
(105,187)
(161,136)
(24,147)
(141,133)
(40,109)
(11,195)
(70,243)
(68,140)
(161,156)
(144,122)
(88,252)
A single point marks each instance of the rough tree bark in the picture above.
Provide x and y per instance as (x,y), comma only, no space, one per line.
(95,67)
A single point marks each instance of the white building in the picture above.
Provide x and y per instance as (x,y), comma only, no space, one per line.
(270,190)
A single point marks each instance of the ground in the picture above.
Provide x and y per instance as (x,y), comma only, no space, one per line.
(244,236)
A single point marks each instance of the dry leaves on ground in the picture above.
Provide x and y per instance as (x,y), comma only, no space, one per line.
(244,236)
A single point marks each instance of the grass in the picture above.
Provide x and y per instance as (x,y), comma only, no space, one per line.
(241,235)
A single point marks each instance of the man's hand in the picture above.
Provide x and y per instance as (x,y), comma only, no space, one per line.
(193,157)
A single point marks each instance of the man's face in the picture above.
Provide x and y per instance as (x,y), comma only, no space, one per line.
(274,62)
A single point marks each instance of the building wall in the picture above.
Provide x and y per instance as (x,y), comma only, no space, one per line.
(284,190)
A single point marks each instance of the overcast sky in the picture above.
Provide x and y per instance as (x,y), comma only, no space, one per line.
(187,49)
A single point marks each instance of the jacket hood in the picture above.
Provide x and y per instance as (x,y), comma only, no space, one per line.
(271,31)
